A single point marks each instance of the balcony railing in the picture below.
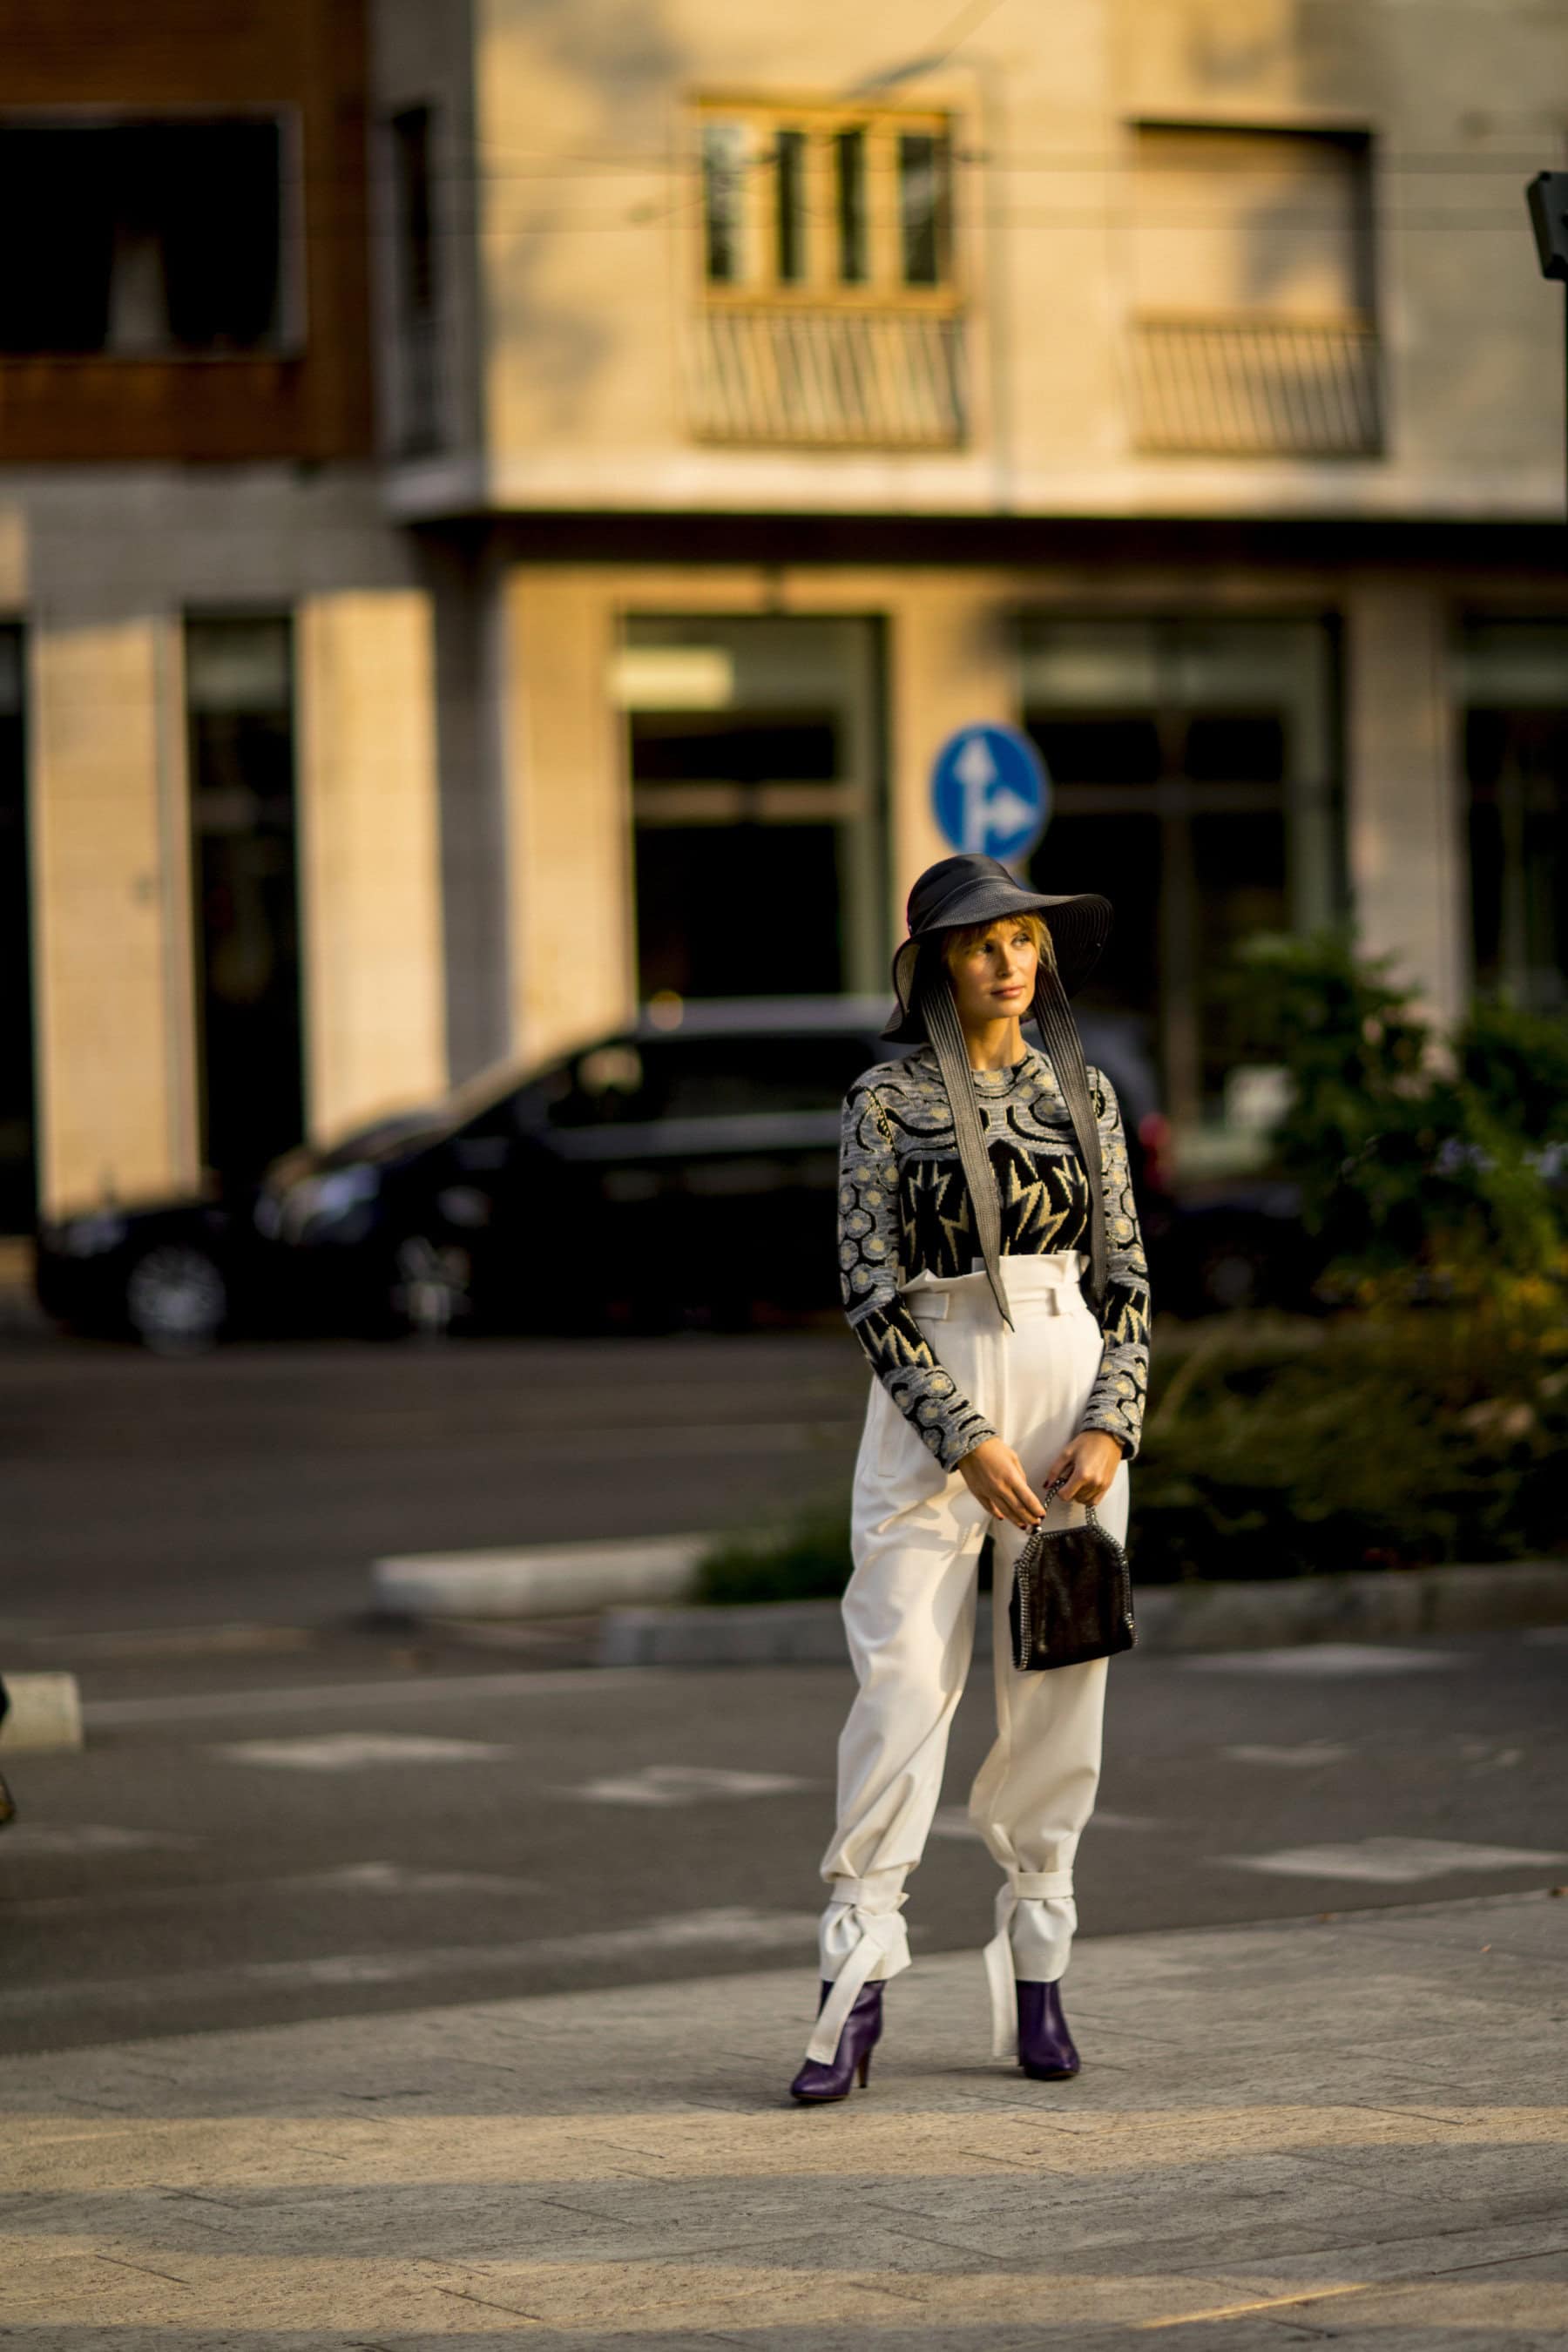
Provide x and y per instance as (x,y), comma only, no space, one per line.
(1256,388)
(828,379)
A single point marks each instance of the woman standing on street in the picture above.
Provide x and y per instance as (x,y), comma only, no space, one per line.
(993,1272)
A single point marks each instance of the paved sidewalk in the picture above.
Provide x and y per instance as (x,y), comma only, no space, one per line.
(1356,2128)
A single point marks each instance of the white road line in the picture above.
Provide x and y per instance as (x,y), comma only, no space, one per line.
(88,1837)
(418,1690)
(735,1930)
(389,1878)
(1327,1659)
(953,1821)
(1293,1760)
(355,1751)
(686,1784)
(1391,1861)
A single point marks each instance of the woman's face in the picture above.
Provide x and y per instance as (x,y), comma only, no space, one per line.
(994,979)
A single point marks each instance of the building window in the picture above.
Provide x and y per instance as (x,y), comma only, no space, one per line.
(851,206)
(240,698)
(1196,783)
(755,750)
(417,422)
(1254,329)
(1514,698)
(829,307)
(17,1170)
(144,239)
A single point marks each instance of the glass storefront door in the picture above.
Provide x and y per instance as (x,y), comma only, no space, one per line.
(239,693)
(754,749)
(1195,782)
(17,1175)
(1513,682)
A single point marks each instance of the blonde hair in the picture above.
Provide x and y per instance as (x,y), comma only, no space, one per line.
(964,938)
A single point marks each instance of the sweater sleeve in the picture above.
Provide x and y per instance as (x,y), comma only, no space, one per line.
(1116,1400)
(869,1273)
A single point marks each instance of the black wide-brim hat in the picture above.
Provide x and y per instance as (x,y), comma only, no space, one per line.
(974,889)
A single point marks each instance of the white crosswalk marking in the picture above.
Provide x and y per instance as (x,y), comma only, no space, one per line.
(353,1751)
(684,1784)
(1316,1751)
(1391,1861)
(953,1821)
(1327,1659)
(90,1837)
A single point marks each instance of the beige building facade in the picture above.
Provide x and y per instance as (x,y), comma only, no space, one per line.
(760,398)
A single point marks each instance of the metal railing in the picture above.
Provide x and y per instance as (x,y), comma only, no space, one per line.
(1256,388)
(836,379)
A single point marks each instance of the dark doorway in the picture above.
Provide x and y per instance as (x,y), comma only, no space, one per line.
(243,859)
(755,747)
(18,1156)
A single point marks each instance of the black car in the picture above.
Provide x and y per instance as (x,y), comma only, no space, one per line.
(683,1168)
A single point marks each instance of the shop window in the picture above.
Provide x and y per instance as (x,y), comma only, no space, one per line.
(753,747)
(239,689)
(1515,701)
(1195,783)
(142,239)
(17,1170)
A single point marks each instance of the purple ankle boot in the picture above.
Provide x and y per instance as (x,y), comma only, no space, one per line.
(1045,2050)
(815,2084)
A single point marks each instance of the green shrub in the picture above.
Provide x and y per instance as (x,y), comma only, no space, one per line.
(1391,1441)
(807,1558)
(1425,1168)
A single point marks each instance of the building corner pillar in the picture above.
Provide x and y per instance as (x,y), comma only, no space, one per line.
(1404,807)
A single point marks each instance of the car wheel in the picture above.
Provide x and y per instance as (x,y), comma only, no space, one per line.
(432,1290)
(176,1300)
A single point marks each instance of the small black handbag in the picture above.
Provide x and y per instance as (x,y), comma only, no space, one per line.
(1072,1597)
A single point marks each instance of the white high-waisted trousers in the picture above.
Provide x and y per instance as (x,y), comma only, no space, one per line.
(909,1612)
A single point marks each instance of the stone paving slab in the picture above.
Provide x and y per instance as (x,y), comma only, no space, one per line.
(1352,2128)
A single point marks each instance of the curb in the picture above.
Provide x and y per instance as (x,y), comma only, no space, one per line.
(1380,1605)
(539,1581)
(44,1712)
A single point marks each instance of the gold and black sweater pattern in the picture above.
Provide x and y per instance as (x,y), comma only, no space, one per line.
(904,1211)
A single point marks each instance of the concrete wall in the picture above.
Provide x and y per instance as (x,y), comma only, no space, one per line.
(112,912)
(590,213)
(1405,811)
(370,876)
(103,566)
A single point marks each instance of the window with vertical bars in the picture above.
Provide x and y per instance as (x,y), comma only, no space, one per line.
(826,204)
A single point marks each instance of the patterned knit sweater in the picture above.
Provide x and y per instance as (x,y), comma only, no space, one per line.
(904,1210)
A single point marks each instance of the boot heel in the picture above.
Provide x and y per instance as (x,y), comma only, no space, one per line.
(815,2084)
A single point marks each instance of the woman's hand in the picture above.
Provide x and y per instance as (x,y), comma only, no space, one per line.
(1083,1470)
(994,1477)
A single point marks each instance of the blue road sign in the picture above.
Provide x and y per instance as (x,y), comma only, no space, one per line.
(991,792)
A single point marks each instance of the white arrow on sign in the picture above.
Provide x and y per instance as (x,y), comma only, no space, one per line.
(976,771)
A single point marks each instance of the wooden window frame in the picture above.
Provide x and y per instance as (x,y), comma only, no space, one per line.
(884,288)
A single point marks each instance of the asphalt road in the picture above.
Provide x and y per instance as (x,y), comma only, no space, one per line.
(257,1483)
(284,1811)
(265,1844)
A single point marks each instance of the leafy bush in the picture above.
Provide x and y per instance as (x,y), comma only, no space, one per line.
(805,1559)
(1386,1442)
(1426,1168)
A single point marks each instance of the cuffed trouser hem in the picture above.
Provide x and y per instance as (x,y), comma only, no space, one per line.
(1036,1916)
(863,1938)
